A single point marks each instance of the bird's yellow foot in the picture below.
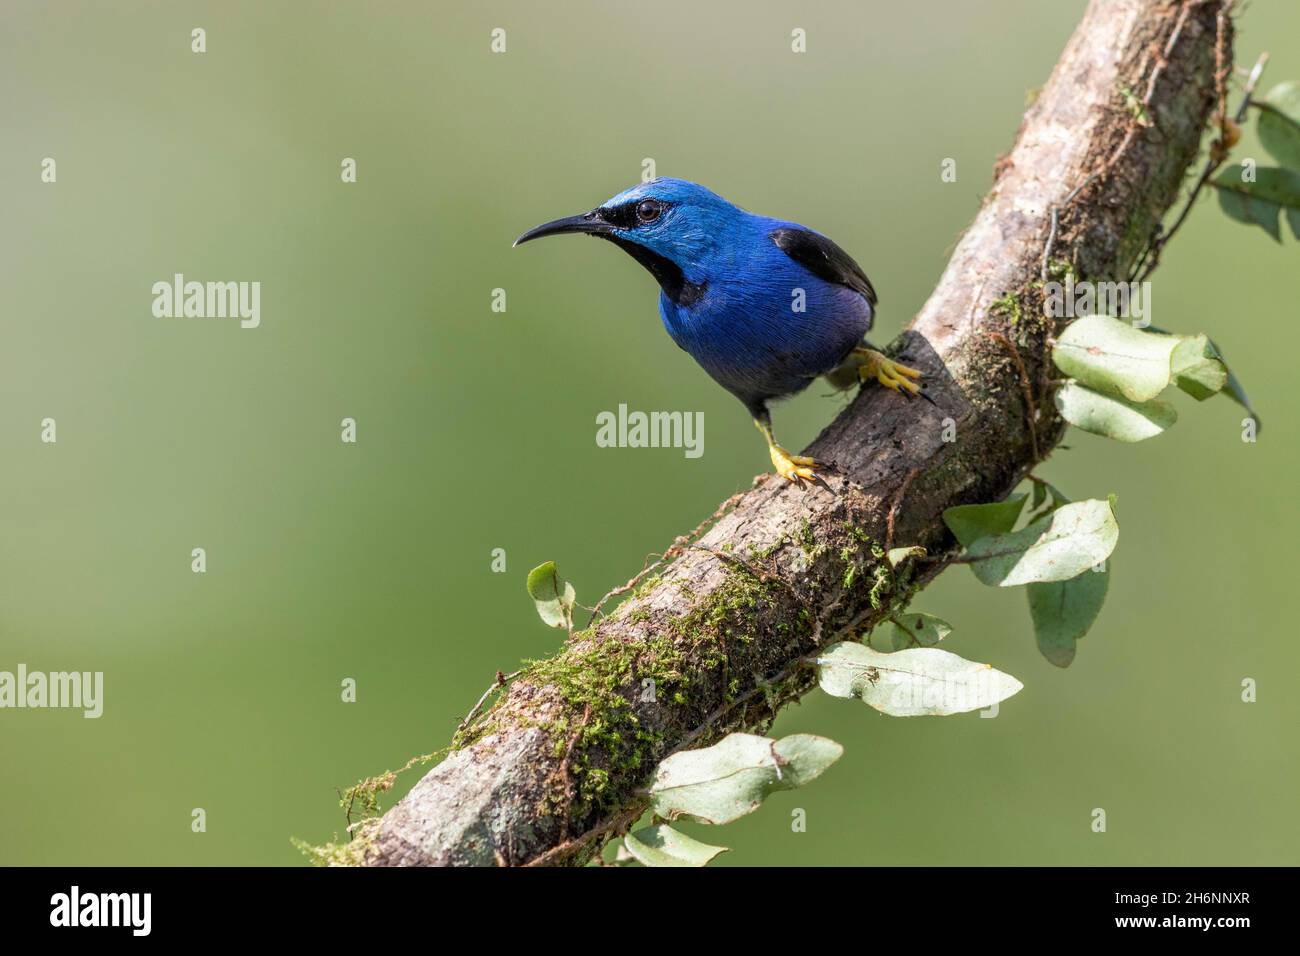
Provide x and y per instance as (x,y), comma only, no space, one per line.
(889,373)
(794,468)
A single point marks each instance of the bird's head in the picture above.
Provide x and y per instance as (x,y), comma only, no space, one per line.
(677,229)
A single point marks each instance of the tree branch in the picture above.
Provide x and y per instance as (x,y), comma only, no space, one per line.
(715,643)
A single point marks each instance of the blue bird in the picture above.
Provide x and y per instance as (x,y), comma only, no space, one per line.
(763,305)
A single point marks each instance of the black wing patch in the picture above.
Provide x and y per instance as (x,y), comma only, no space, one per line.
(824,259)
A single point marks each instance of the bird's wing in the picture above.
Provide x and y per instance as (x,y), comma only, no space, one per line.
(823,259)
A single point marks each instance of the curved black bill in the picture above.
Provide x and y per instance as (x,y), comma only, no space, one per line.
(590,223)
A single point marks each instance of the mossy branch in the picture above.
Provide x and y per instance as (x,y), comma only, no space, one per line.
(714,642)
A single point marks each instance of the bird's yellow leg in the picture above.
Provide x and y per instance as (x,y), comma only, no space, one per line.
(888,373)
(795,468)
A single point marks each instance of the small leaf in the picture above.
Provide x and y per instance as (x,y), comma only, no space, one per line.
(1232,387)
(1111,416)
(1043,490)
(923,681)
(1279,123)
(661,845)
(1047,491)
(1196,367)
(1062,612)
(1238,394)
(553,596)
(917,629)
(1070,540)
(969,523)
(1113,357)
(1262,201)
(724,782)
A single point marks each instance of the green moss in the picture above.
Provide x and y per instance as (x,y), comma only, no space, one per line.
(851,554)
(351,853)
(725,613)
(363,797)
(646,586)
(597,680)
(849,558)
(882,585)
(771,549)
(598,728)
(1061,269)
(594,682)
(808,540)
(1009,306)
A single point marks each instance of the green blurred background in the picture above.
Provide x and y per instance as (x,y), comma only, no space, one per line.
(476,429)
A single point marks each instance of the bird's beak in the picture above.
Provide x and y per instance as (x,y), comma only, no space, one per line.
(593,223)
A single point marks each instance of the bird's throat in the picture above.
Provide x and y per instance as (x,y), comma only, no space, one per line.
(667,273)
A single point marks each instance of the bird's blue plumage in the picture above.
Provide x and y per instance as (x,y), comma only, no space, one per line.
(764,305)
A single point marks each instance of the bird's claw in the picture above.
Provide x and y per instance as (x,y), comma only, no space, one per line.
(891,374)
(795,468)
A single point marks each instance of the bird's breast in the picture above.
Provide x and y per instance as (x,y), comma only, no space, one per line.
(770,334)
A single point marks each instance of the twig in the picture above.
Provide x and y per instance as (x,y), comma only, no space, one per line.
(626,818)
(1218,155)
(652,561)
(501,681)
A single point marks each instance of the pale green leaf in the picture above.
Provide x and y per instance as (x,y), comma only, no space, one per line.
(969,523)
(721,783)
(1062,612)
(1197,368)
(1111,416)
(1185,352)
(1279,123)
(1069,541)
(917,629)
(553,595)
(661,845)
(1113,357)
(923,681)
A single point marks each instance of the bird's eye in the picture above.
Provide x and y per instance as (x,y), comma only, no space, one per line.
(647,210)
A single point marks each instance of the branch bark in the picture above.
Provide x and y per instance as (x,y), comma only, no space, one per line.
(556,767)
